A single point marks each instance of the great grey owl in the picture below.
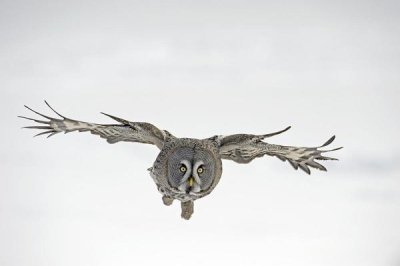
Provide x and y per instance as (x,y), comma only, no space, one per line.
(188,169)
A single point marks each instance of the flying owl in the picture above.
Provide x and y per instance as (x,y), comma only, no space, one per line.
(187,169)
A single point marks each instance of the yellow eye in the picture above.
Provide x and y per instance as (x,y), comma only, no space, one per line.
(200,170)
(182,168)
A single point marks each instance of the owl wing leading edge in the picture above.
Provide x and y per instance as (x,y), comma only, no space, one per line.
(124,131)
(243,148)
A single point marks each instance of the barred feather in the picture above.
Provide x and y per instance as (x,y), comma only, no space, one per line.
(126,131)
(243,148)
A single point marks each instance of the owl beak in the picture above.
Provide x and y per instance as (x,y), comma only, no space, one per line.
(190,181)
(189,184)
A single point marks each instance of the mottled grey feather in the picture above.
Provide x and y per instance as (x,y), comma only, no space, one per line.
(243,148)
(126,131)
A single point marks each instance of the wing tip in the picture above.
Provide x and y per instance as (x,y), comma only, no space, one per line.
(45,132)
(329,141)
(54,109)
(24,117)
(276,133)
(120,120)
(36,112)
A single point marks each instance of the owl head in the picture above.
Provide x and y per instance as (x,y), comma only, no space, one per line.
(191,166)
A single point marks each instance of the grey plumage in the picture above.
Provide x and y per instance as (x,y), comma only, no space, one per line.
(243,148)
(125,131)
(188,169)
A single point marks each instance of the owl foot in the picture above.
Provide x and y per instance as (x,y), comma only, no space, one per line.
(187,209)
(167,200)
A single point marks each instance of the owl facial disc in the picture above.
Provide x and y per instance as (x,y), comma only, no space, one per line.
(192,169)
(191,182)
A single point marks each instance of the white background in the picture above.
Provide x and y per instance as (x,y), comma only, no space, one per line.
(200,68)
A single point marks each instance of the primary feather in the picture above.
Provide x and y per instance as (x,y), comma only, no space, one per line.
(125,131)
(243,148)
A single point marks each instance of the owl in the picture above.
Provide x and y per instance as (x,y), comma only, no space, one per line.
(187,169)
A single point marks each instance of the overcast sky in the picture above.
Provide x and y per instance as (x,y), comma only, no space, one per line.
(197,69)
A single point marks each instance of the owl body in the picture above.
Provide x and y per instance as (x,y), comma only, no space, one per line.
(188,169)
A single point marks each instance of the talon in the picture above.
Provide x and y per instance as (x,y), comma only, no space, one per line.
(167,200)
(187,209)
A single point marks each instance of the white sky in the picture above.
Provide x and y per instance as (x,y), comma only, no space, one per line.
(200,68)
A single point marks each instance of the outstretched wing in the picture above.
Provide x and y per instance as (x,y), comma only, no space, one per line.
(243,148)
(124,131)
